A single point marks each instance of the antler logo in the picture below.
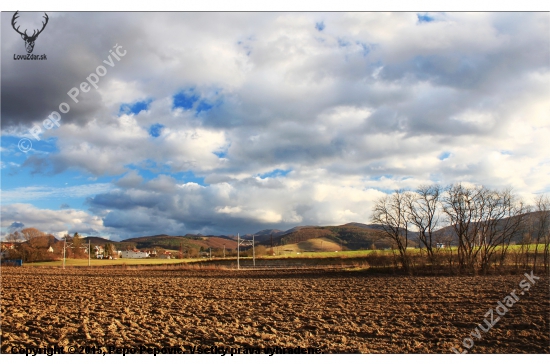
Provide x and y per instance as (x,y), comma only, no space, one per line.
(29,40)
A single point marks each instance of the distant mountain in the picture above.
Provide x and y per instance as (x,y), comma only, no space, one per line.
(448,233)
(353,235)
(175,242)
(193,235)
(297,228)
(96,240)
(269,232)
(264,235)
(348,236)
(365,226)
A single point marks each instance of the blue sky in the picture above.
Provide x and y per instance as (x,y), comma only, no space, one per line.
(253,121)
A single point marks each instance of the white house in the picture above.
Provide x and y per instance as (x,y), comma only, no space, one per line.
(134,254)
(99,251)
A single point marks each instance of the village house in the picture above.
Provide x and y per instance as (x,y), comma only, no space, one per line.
(134,254)
(99,251)
(6,246)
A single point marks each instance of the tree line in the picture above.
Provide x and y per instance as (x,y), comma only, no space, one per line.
(468,229)
(33,245)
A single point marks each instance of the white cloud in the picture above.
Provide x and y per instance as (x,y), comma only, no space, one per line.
(368,104)
(51,221)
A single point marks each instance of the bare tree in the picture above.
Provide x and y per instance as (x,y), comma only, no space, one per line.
(464,209)
(541,228)
(503,220)
(15,237)
(31,233)
(483,220)
(391,213)
(423,213)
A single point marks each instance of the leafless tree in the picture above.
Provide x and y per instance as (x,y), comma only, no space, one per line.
(15,237)
(464,209)
(485,222)
(391,213)
(31,233)
(541,228)
(423,213)
(503,220)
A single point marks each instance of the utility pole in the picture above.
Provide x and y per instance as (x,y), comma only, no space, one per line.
(238,248)
(223,251)
(253,252)
(210,253)
(64,245)
(89,246)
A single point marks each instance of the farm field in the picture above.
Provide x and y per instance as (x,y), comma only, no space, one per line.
(103,262)
(301,250)
(335,311)
(314,244)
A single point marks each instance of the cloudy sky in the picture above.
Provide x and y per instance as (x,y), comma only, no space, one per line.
(225,123)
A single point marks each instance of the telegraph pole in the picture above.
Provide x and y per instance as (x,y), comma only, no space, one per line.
(89,246)
(238,243)
(253,252)
(223,251)
(210,253)
(64,245)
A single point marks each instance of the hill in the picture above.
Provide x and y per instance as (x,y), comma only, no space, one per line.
(350,237)
(185,242)
(364,226)
(96,240)
(530,219)
(311,245)
(263,235)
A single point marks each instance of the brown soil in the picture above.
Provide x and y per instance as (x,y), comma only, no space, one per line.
(338,312)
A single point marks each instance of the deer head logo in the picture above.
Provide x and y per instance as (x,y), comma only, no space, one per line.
(29,40)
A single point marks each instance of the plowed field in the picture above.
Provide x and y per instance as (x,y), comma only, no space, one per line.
(337,312)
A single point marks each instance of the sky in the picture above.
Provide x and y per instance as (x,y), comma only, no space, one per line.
(226,123)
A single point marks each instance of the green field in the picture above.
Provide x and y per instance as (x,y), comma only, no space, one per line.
(330,254)
(280,251)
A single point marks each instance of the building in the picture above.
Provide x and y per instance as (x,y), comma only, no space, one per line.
(99,251)
(134,254)
(6,246)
